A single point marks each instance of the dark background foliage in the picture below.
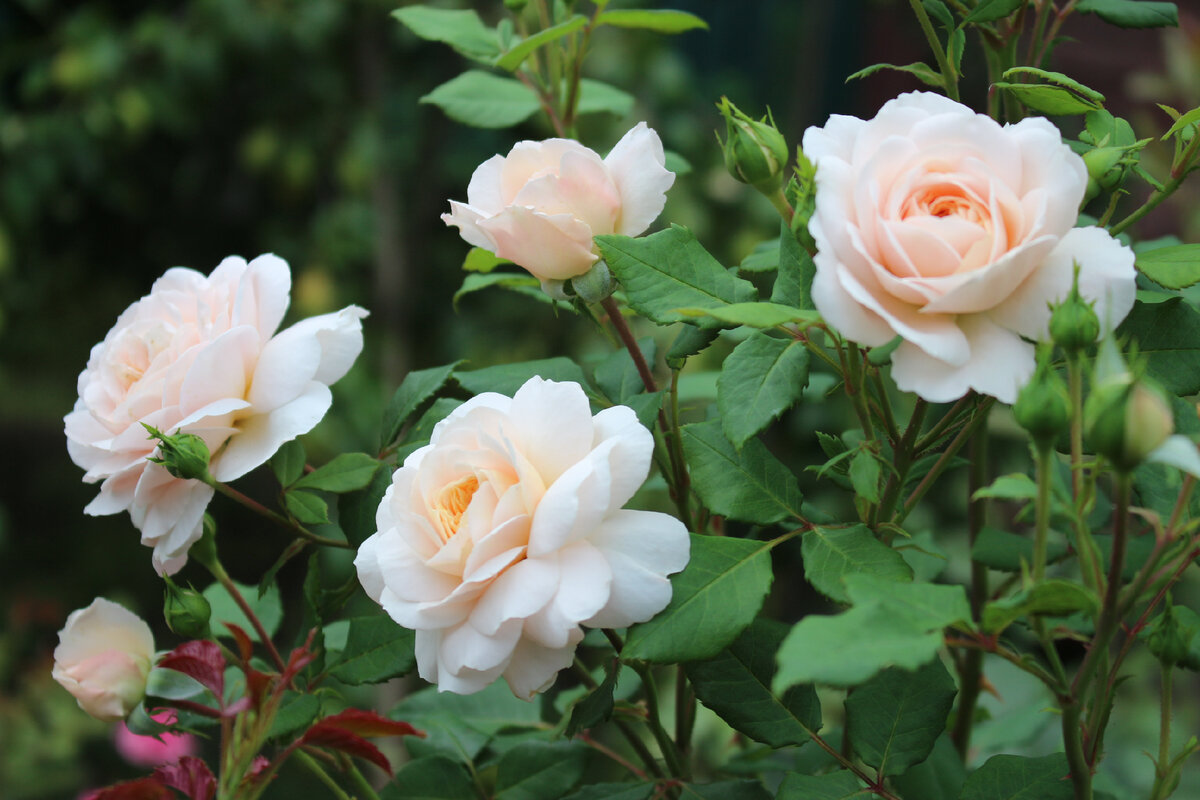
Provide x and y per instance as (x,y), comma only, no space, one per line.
(138,136)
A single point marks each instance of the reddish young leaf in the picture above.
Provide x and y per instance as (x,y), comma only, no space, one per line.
(244,643)
(337,739)
(189,775)
(299,658)
(201,660)
(366,723)
(140,789)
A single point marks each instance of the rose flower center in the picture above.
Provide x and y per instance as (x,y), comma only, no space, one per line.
(451,503)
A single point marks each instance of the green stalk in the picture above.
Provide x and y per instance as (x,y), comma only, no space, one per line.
(312,766)
(1162,768)
(1045,465)
(218,572)
(971,675)
(949,77)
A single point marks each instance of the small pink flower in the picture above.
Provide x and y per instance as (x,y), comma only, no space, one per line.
(150,751)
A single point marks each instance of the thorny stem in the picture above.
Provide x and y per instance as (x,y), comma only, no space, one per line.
(1164,734)
(278,519)
(971,674)
(1178,172)
(853,363)
(873,784)
(630,735)
(942,425)
(668,747)
(218,572)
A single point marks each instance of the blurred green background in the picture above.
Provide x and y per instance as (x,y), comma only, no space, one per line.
(139,136)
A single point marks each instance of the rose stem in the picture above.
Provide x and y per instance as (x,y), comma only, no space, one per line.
(218,572)
(630,735)
(971,675)
(948,76)
(278,519)
(311,764)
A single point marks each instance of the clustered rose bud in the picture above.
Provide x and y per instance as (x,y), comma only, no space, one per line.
(103,658)
(1173,636)
(1073,322)
(1044,407)
(186,610)
(755,151)
(1126,417)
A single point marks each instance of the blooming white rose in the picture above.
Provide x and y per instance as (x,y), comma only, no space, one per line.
(199,355)
(505,534)
(540,205)
(103,657)
(938,225)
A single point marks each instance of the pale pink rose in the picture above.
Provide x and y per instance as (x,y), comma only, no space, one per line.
(540,205)
(937,224)
(152,751)
(505,534)
(200,354)
(103,657)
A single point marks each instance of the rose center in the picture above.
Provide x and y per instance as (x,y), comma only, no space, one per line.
(451,503)
(946,200)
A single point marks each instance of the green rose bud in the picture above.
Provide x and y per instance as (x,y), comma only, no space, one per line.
(1043,407)
(186,610)
(184,455)
(1073,322)
(1172,635)
(1126,419)
(755,151)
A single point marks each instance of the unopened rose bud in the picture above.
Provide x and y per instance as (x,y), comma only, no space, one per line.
(1127,419)
(103,657)
(1043,407)
(1171,635)
(1073,322)
(755,151)
(187,611)
(184,455)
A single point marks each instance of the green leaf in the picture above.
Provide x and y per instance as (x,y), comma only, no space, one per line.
(660,21)
(725,790)
(482,261)
(484,100)
(267,608)
(614,791)
(762,377)
(926,606)
(1171,267)
(430,778)
(517,55)
(356,510)
(414,391)
(540,770)
(1132,13)
(1168,334)
(764,257)
(793,284)
(1016,486)
(1049,98)
(460,726)
(847,649)
(690,341)
(296,711)
(749,485)
(919,69)
(508,378)
(617,375)
(834,786)
(716,596)
(597,706)
(992,10)
(306,507)
(864,475)
(288,462)
(462,30)
(1182,122)
(1053,597)
(1002,550)
(524,285)
(347,472)
(670,270)
(895,718)
(646,405)
(830,554)
(596,97)
(1020,778)
(939,777)
(754,315)
(736,685)
(376,649)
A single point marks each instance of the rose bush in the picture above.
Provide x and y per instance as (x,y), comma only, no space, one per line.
(200,355)
(943,227)
(540,205)
(502,536)
(103,658)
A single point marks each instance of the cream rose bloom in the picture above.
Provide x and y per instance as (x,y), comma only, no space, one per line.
(937,224)
(505,534)
(103,657)
(200,355)
(540,205)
